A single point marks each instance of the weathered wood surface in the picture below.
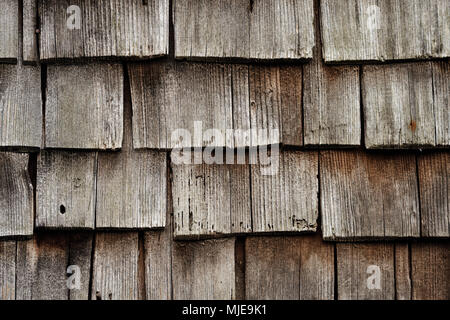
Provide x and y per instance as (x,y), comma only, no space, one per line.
(42,266)
(131,185)
(20,106)
(196,97)
(358,268)
(287,200)
(367,196)
(7,270)
(16,196)
(9,32)
(404,107)
(66,190)
(210,200)
(204,270)
(371,30)
(115,270)
(402,274)
(244,29)
(119,28)
(29,16)
(430,270)
(289,268)
(84,108)
(434,186)
(331,101)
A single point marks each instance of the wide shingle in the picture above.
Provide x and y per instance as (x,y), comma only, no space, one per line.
(118,28)
(371,30)
(9,33)
(261,29)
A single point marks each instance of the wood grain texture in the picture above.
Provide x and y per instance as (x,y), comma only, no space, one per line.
(30,45)
(118,28)
(404,107)
(7,270)
(434,185)
(131,185)
(42,266)
(16,196)
(289,268)
(371,30)
(204,270)
(356,265)
(368,196)
(286,201)
(20,106)
(441,88)
(115,272)
(9,33)
(84,108)
(258,29)
(430,262)
(402,275)
(331,101)
(210,200)
(66,190)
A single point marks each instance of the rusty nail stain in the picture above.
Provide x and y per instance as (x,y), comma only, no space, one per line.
(413,125)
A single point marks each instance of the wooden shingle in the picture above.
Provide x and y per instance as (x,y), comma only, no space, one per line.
(289,268)
(9,32)
(286,201)
(204,270)
(29,16)
(373,30)
(430,270)
(261,29)
(434,186)
(16,196)
(365,271)
(118,28)
(66,190)
(115,269)
(211,200)
(84,108)
(366,196)
(43,272)
(7,270)
(20,106)
(406,105)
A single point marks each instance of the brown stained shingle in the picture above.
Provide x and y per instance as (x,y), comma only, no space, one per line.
(371,30)
(7,270)
(243,29)
(117,28)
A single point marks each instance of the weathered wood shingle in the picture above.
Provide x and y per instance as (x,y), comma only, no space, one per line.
(9,32)
(434,186)
(211,199)
(289,268)
(286,199)
(260,29)
(20,106)
(66,190)
(406,105)
(84,108)
(16,196)
(367,196)
(115,269)
(371,30)
(30,43)
(7,270)
(204,270)
(118,28)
